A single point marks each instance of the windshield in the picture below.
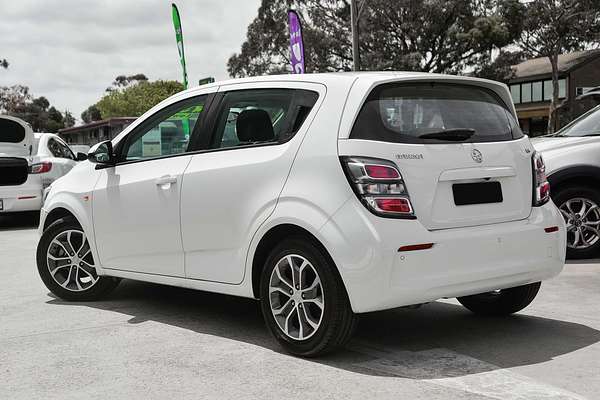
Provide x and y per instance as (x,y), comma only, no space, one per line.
(434,113)
(586,125)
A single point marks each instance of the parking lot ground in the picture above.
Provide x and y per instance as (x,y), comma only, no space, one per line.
(155,342)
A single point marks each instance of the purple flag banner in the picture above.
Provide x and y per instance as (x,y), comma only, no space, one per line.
(296,44)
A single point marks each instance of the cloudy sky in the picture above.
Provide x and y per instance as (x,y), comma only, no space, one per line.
(71,50)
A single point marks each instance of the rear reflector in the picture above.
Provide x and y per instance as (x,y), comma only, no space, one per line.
(412,247)
(551,229)
(393,204)
(26,197)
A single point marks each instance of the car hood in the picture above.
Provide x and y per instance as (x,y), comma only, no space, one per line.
(557,143)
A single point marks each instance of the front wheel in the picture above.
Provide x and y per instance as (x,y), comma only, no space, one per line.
(501,302)
(303,300)
(66,264)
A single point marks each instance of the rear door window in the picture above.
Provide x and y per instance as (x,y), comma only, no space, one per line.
(434,113)
(260,116)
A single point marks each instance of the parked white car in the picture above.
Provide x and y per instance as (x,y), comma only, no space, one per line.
(573,167)
(29,163)
(323,195)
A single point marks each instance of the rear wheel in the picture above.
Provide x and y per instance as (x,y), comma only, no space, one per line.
(579,208)
(66,264)
(501,302)
(303,300)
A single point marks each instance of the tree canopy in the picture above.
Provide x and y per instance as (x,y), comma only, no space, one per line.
(18,102)
(431,36)
(3,63)
(134,100)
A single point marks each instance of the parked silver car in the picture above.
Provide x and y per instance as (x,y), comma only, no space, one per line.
(572,157)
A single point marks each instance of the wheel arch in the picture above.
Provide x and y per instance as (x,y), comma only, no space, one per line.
(56,214)
(274,235)
(584,175)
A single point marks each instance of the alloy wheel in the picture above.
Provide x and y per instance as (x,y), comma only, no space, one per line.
(296,297)
(70,261)
(582,217)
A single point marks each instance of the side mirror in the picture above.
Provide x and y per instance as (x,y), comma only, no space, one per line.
(81,156)
(102,154)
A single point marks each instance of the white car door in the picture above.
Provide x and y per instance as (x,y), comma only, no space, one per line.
(232,186)
(136,203)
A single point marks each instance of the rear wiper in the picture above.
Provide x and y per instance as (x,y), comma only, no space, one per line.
(453,135)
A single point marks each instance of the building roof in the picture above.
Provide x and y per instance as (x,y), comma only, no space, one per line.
(541,66)
(116,121)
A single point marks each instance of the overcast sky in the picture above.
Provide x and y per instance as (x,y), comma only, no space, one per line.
(71,50)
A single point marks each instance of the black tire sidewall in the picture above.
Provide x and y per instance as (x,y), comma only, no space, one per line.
(104,284)
(571,192)
(331,291)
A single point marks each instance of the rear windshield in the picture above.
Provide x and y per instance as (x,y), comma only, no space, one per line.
(11,131)
(434,113)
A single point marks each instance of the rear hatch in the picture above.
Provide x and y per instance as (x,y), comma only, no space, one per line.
(457,146)
(16,145)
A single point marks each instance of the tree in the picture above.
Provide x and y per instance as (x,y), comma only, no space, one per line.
(3,63)
(432,36)
(69,119)
(123,81)
(92,113)
(12,98)
(500,68)
(553,27)
(134,100)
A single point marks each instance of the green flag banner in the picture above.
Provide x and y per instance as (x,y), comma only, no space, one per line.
(179,38)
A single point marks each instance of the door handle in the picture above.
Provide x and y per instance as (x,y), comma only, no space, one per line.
(166,181)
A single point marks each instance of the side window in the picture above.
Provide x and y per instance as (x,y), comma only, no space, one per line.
(167,133)
(260,116)
(59,149)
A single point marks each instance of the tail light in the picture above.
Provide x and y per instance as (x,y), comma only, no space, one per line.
(379,186)
(541,187)
(40,168)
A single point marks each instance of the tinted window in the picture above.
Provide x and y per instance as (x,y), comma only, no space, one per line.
(586,125)
(167,133)
(59,149)
(251,117)
(11,131)
(402,113)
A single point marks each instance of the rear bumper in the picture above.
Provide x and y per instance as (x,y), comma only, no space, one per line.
(26,197)
(462,261)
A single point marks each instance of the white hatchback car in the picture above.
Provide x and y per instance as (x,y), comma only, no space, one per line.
(29,163)
(324,196)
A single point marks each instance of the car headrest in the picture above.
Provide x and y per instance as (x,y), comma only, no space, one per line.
(254,126)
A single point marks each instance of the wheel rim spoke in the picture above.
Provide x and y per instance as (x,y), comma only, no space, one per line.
(61,255)
(582,225)
(297,306)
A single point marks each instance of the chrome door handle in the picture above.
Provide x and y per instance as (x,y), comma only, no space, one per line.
(166,180)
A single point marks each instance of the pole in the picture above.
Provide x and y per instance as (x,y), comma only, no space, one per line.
(355,40)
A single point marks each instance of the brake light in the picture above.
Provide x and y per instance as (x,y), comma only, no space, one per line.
(541,187)
(379,186)
(40,168)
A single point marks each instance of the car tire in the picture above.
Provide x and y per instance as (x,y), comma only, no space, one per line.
(64,273)
(501,302)
(576,195)
(291,301)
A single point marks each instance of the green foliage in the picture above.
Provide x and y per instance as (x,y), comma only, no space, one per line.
(499,69)
(431,36)
(91,114)
(18,102)
(69,119)
(134,100)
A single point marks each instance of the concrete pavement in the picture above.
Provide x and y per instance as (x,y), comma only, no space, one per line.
(155,342)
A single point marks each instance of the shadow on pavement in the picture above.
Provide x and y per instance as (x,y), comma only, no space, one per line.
(436,341)
(18,221)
